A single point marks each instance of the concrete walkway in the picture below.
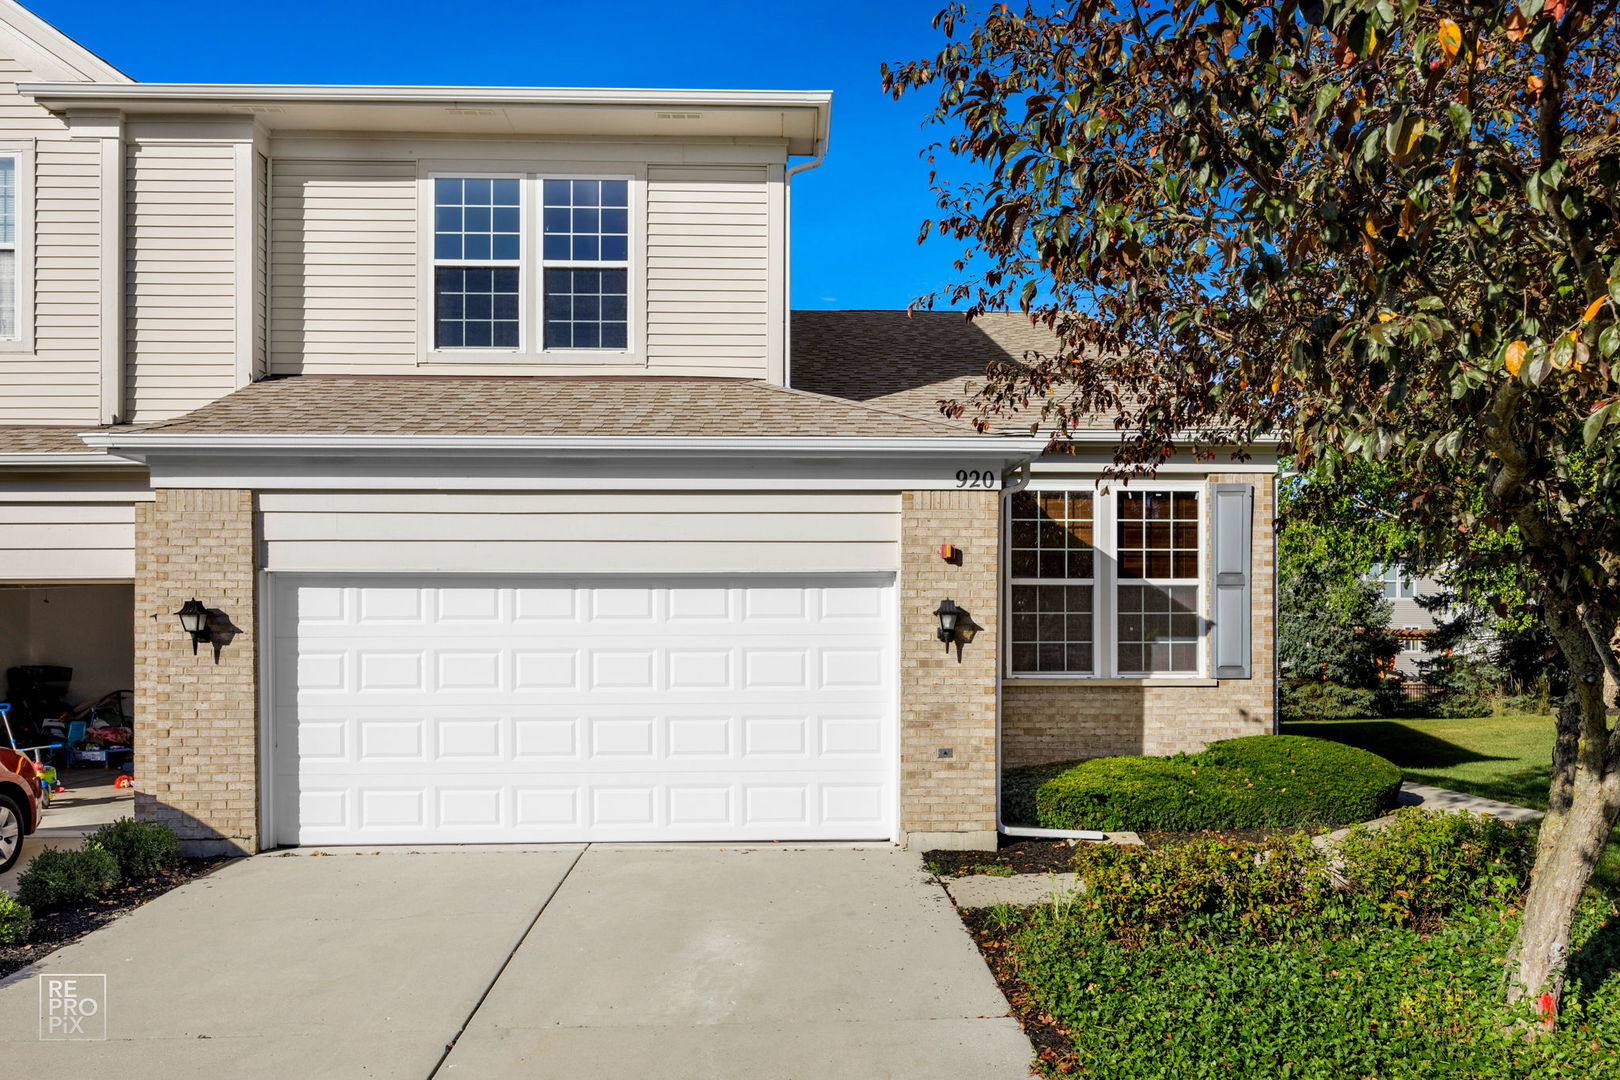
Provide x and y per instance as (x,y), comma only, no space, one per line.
(537,963)
(1435,798)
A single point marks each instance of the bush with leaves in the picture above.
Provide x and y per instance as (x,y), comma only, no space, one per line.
(58,877)
(1413,870)
(143,848)
(1424,864)
(1256,781)
(16,920)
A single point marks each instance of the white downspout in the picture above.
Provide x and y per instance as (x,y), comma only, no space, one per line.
(1009,487)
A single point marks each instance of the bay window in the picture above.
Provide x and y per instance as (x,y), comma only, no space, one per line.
(531,264)
(1105,584)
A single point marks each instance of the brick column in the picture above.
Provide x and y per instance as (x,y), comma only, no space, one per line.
(196,753)
(948,697)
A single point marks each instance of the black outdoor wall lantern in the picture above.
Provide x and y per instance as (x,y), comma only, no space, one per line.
(947,613)
(194,621)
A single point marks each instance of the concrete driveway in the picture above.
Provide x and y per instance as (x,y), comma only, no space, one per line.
(689,962)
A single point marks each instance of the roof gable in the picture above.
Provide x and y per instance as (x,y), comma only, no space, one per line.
(46,52)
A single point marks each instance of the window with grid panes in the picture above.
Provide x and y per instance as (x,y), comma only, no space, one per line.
(1156,592)
(485,297)
(1053,561)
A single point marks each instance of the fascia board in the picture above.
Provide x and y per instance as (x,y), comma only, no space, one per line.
(226,93)
(1012,449)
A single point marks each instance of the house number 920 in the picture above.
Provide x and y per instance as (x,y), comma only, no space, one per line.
(977,478)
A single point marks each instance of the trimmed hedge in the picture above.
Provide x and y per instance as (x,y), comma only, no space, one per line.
(143,848)
(1261,781)
(59,876)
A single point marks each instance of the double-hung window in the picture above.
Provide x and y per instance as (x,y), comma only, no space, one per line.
(11,253)
(1393,580)
(531,264)
(1157,556)
(1105,584)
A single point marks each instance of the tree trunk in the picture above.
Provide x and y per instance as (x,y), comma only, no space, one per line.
(1571,845)
(1583,802)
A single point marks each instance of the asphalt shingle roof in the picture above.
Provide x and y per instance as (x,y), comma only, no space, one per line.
(42,440)
(909,362)
(460,405)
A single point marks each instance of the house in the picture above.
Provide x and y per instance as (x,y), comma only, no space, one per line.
(1413,624)
(520,506)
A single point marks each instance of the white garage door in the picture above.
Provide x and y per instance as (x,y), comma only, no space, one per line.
(456,710)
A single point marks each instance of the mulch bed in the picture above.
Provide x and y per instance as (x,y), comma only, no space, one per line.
(1022,856)
(1050,1039)
(56,928)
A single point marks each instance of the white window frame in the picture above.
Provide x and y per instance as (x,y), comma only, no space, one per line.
(531,267)
(1405,588)
(435,264)
(1095,581)
(1105,582)
(627,264)
(23,245)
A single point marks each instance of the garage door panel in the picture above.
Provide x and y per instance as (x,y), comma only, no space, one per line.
(385,607)
(421,710)
(481,668)
(388,740)
(607,807)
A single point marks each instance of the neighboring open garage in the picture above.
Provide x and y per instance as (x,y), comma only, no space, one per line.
(456,709)
(67,563)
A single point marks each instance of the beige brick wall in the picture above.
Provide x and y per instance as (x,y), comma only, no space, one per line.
(196,761)
(1058,723)
(948,697)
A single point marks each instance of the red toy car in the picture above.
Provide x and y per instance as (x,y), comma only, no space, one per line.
(19,804)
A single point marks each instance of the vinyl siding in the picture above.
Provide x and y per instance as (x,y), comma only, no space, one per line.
(181,251)
(45,541)
(708,270)
(343,266)
(59,381)
(580,532)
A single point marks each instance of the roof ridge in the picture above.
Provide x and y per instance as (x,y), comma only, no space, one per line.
(941,421)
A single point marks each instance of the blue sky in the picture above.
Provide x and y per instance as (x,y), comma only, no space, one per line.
(855,218)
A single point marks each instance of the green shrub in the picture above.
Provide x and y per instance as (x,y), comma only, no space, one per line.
(1313,699)
(1018,787)
(142,848)
(57,876)
(16,920)
(1413,871)
(1270,887)
(1253,782)
(1428,863)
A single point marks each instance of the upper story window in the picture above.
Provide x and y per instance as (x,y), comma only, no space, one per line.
(1106,584)
(512,254)
(10,291)
(586,256)
(1393,580)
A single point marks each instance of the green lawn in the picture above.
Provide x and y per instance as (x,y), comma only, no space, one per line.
(1500,757)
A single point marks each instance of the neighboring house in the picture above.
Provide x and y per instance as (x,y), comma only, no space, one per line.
(522,508)
(1413,624)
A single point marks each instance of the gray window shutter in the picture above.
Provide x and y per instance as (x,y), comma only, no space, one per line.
(1234,527)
